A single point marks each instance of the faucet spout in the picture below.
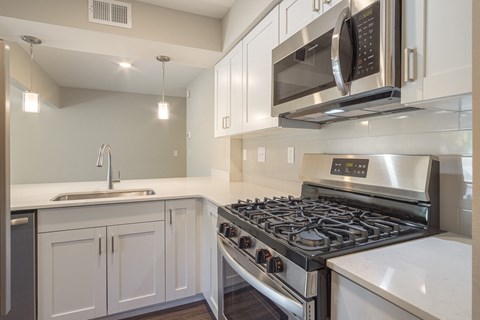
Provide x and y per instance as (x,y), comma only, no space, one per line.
(100,158)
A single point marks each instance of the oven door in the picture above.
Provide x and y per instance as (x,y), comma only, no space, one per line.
(247,292)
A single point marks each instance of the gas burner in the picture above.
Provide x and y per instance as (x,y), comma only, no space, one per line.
(312,238)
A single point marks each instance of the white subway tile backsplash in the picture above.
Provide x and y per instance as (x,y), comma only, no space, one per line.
(466,169)
(444,130)
(450,142)
(465,120)
(449,218)
(465,222)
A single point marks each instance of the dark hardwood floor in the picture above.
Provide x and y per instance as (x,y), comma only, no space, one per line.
(193,311)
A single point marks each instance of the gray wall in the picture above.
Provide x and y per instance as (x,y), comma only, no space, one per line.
(200,117)
(59,145)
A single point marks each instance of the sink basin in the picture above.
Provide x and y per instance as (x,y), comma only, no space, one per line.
(103,194)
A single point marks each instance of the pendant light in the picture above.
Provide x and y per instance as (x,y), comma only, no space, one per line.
(30,98)
(163,106)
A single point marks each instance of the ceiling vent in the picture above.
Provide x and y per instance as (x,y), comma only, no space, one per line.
(110,12)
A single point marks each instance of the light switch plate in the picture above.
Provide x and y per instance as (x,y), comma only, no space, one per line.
(175,153)
(244,153)
(291,155)
(261,154)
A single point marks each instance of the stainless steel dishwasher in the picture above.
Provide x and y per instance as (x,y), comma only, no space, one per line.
(23,246)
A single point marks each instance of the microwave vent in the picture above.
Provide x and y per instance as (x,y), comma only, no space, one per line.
(110,12)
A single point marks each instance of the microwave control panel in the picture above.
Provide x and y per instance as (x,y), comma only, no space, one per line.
(350,167)
(367,26)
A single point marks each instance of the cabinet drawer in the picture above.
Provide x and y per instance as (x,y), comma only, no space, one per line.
(95,216)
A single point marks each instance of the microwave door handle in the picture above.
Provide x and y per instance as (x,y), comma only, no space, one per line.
(288,304)
(336,63)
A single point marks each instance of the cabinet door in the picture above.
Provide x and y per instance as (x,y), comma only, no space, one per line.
(136,265)
(222,96)
(72,274)
(351,301)
(257,66)
(234,120)
(180,249)
(437,56)
(208,251)
(328,4)
(295,14)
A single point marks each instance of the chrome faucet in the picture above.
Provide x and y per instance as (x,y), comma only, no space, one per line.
(110,180)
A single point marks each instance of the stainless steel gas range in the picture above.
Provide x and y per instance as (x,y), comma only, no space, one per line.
(273,251)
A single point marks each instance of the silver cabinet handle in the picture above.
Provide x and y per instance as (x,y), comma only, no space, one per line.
(409,65)
(100,245)
(223,123)
(316,5)
(336,64)
(170,216)
(113,243)
(227,122)
(18,222)
(327,1)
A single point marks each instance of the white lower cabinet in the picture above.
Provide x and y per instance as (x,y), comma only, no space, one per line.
(136,265)
(72,274)
(100,268)
(208,258)
(349,301)
(180,249)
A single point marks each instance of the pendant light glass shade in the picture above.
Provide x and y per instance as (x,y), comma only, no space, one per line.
(30,102)
(30,98)
(163,110)
(163,106)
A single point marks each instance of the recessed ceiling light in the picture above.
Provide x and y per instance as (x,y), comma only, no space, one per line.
(333,111)
(125,65)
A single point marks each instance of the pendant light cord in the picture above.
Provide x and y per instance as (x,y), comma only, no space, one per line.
(163,81)
(30,68)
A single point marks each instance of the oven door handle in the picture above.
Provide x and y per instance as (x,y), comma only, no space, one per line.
(280,299)
(336,64)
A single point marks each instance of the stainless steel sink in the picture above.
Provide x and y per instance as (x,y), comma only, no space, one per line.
(103,194)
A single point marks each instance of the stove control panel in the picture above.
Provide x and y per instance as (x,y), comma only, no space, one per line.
(349,167)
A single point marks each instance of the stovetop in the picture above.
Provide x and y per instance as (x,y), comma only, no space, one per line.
(322,224)
(310,230)
(348,203)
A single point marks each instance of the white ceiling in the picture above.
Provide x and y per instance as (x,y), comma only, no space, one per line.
(81,59)
(209,8)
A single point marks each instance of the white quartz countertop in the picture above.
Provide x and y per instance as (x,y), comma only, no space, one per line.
(429,277)
(38,196)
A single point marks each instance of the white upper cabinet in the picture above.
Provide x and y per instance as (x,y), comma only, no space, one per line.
(229,93)
(257,73)
(295,14)
(437,49)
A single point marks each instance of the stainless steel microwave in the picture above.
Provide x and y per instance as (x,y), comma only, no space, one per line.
(344,64)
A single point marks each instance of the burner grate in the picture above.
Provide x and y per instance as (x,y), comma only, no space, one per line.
(321,223)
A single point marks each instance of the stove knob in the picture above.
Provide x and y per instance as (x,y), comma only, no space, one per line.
(221,227)
(229,232)
(274,265)
(261,255)
(244,242)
